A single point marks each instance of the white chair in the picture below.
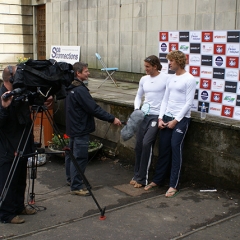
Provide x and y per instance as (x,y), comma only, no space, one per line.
(109,71)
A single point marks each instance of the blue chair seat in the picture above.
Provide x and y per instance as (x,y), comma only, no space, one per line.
(109,69)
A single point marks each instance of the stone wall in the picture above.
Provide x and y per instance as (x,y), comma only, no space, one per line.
(125,32)
(16,31)
(211,152)
(121,76)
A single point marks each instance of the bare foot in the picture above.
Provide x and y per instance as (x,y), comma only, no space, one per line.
(138,185)
(132,182)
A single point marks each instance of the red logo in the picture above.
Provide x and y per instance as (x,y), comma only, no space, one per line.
(173,46)
(227,111)
(195,71)
(232,62)
(220,49)
(216,97)
(207,36)
(163,36)
(205,83)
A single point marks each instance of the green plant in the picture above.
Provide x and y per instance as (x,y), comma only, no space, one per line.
(56,143)
(22,59)
(94,144)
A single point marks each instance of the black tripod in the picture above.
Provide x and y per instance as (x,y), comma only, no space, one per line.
(18,154)
(43,109)
(35,110)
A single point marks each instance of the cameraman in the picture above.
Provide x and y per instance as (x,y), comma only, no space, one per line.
(80,112)
(14,118)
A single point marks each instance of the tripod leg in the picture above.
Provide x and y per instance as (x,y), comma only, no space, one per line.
(9,179)
(33,176)
(18,155)
(74,161)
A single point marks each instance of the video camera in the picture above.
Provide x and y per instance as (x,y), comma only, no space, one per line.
(42,78)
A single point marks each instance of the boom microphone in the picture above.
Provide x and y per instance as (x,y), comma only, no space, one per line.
(132,125)
(12,93)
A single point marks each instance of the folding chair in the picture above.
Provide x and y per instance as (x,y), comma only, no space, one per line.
(109,71)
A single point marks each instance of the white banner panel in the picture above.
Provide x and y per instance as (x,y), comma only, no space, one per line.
(213,59)
(69,54)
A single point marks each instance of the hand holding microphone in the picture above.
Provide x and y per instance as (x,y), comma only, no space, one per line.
(117,122)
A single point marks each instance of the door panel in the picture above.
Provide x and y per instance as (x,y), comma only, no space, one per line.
(41,32)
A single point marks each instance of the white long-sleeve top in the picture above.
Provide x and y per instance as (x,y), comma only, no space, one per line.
(152,88)
(179,96)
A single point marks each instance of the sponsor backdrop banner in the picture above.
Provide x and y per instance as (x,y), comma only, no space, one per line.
(69,54)
(213,59)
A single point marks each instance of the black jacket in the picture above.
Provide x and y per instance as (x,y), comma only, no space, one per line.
(13,121)
(81,110)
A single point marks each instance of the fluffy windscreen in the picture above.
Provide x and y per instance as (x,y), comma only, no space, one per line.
(132,125)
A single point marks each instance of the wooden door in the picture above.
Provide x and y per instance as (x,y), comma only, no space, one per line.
(41,32)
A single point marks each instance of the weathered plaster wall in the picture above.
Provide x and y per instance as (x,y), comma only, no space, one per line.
(211,149)
(124,32)
(16,30)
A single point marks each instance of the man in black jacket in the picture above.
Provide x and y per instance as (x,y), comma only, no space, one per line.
(14,118)
(80,112)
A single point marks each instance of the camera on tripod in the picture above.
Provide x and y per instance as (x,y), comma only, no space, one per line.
(39,79)
(36,80)
(33,83)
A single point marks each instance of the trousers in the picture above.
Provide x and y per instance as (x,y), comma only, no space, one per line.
(146,136)
(170,152)
(79,147)
(14,201)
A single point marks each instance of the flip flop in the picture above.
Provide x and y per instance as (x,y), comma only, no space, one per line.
(149,187)
(175,193)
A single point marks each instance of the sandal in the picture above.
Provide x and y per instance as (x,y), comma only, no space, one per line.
(133,182)
(138,185)
(150,186)
(171,194)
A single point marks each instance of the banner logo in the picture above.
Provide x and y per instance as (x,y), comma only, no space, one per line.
(164,47)
(207,36)
(232,62)
(216,97)
(219,61)
(195,48)
(230,87)
(233,36)
(218,73)
(163,36)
